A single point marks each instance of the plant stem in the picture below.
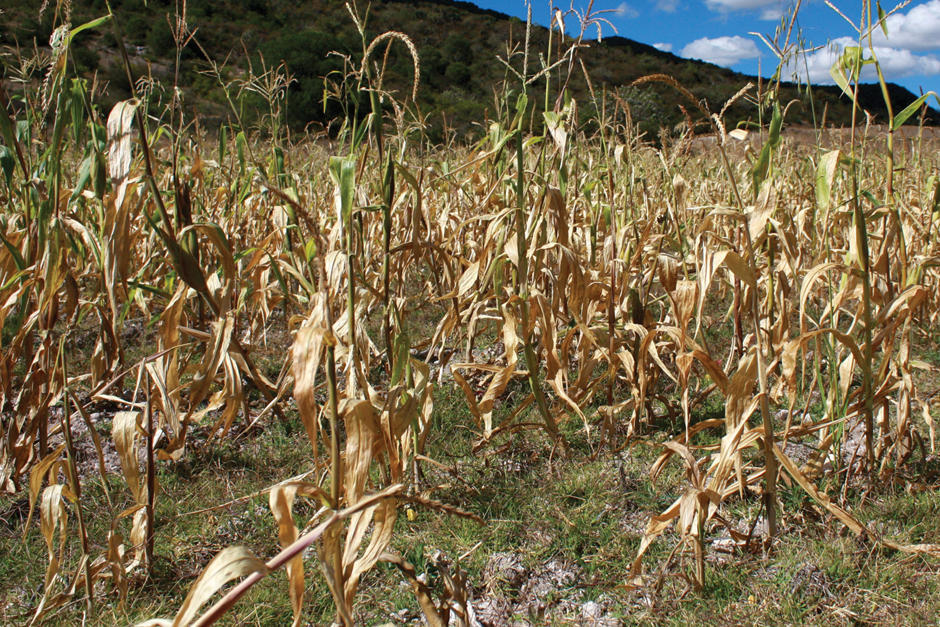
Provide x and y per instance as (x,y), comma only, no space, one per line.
(770,461)
(74,481)
(522,291)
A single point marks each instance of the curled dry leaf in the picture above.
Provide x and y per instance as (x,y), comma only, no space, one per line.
(120,139)
(231,563)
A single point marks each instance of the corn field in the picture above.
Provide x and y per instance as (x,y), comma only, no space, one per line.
(621,282)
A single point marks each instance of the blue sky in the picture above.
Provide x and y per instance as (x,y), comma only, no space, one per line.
(718,31)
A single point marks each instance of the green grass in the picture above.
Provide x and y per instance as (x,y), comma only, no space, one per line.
(587,514)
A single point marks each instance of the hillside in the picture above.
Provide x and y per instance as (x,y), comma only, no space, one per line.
(457,42)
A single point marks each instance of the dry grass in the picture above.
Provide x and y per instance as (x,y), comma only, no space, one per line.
(572,280)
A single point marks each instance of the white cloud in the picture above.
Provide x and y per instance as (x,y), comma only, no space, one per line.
(663,46)
(667,6)
(740,5)
(895,63)
(726,51)
(918,29)
(771,10)
(625,10)
(772,14)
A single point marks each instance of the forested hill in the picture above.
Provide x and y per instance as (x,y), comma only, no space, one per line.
(458,44)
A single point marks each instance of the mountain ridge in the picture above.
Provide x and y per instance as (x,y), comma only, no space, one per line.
(457,42)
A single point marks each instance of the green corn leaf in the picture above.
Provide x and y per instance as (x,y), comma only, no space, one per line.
(241,143)
(87,25)
(310,249)
(17,276)
(850,61)
(762,166)
(522,103)
(84,175)
(870,197)
(882,19)
(279,165)
(275,269)
(7,164)
(76,105)
(934,182)
(223,143)
(825,175)
(343,173)
(402,347)
(150,289)
(776,126)
(100,172)
(17,257)
(909,110)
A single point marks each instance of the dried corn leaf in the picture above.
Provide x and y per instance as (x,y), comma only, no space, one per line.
(230,563)
(125,433)
(36,475)
(120,137)
(468,279)
(281,500)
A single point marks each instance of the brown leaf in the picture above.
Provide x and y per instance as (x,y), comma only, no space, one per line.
(230,563)
(281,500)
(125,432)
(468,279)
(120,136)
(36,475)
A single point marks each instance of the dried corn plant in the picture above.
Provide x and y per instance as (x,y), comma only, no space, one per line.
(625,284)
